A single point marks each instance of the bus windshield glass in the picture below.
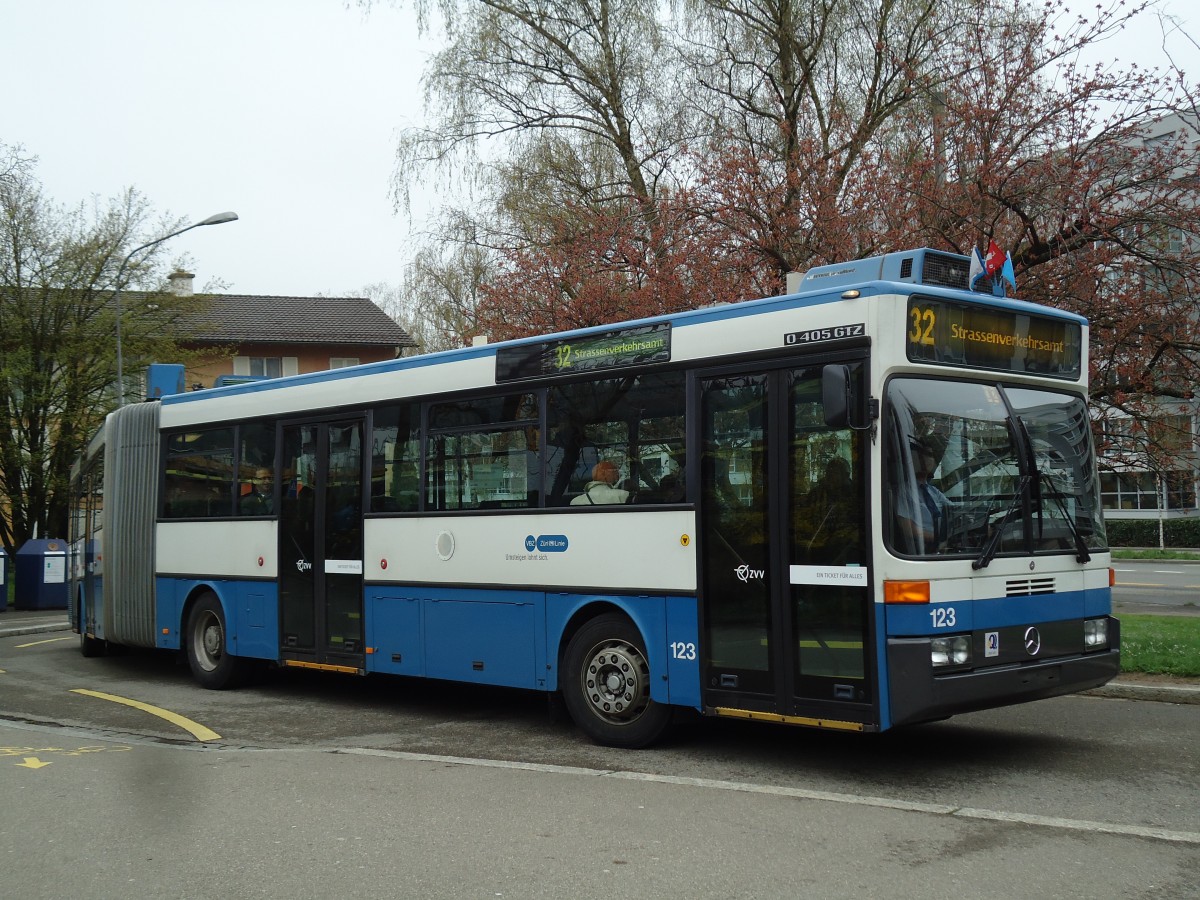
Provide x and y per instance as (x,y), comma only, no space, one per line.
(983,470)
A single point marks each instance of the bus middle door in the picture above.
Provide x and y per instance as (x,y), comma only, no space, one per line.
(321,545)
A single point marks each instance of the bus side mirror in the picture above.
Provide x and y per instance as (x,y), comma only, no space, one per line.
(835,395)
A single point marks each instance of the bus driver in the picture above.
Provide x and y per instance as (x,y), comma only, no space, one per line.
(925,514)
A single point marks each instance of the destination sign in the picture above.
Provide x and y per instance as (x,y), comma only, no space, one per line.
(618,349)
(947,333)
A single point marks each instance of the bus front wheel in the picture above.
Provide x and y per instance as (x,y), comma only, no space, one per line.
(606,684)
(207,646)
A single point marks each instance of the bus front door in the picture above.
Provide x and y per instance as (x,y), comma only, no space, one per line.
(321,544)
(784,568)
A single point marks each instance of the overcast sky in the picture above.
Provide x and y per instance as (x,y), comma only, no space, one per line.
(284,111)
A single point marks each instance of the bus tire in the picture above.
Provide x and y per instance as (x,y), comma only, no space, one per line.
(606,684)
(89,646)
(207,646)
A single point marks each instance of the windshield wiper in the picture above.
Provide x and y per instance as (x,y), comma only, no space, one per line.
(1084,555)
(1044,477)
(993,544)
(1020,439)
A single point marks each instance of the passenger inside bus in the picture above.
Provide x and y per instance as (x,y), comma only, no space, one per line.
(258,500)
(602,488)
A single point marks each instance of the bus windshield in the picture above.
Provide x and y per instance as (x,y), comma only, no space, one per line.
(987,470)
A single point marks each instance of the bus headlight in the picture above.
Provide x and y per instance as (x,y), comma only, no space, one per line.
(1095,634)
(954,650)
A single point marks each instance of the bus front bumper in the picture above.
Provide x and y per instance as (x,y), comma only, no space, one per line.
(919,695)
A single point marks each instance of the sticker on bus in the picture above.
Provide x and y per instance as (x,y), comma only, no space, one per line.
(846,575)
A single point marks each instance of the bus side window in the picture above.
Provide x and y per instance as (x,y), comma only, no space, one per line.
(483,453)
(199,481)
(634,423)
(395,458)
(256,469)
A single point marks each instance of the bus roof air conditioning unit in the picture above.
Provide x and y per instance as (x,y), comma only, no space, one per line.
(928,267)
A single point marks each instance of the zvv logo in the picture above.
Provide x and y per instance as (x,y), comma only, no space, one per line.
(746,574)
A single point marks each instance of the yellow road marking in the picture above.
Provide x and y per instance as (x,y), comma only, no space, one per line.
(198,731)
(78,751)
(47,641)
(32,762)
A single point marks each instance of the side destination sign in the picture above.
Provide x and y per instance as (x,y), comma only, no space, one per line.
(948,333)
(618,349)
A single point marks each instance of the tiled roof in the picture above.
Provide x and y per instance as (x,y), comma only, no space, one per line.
(246,319)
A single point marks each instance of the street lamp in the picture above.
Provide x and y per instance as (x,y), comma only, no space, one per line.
(218,219)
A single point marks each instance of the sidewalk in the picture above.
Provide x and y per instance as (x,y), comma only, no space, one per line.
(1131,687)
(32,621)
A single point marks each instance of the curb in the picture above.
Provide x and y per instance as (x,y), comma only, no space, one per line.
(1162,693)
(40,628)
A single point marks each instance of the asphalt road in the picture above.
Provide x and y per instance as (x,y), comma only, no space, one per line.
(1157,586)
(316,785)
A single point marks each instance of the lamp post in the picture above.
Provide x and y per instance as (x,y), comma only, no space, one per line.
(218,219)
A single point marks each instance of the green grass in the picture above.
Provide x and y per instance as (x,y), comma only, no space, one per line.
(1156,554)
(1161,645)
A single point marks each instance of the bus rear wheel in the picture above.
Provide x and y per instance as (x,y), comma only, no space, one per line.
(206,643)
(90,646)
(606,684)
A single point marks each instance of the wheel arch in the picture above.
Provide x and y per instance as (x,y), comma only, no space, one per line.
(209,639)
(193,595)
(648,615)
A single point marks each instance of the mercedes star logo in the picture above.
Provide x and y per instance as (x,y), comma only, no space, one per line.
(1033,641)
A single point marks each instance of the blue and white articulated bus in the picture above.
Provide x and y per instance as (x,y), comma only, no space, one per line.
(868,503)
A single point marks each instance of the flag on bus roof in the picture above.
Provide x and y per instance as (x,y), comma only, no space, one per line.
(994,260)
(1000,261)
(978,268)
(1006,271)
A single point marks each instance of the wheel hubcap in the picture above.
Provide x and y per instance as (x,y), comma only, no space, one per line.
(616,682)
(208,641)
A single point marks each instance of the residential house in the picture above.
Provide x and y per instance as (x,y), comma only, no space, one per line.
(268,336)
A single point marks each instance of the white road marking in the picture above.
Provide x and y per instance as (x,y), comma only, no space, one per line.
(938,809)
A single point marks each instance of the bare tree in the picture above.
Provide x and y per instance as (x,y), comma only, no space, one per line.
(438,300)
(624,164)
(57,318)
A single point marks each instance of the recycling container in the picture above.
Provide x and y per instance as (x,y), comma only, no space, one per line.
(42,574)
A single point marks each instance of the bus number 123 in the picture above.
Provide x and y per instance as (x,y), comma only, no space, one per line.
(943,616)
(683,650)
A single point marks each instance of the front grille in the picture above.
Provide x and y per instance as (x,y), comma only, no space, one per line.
(1025,587)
